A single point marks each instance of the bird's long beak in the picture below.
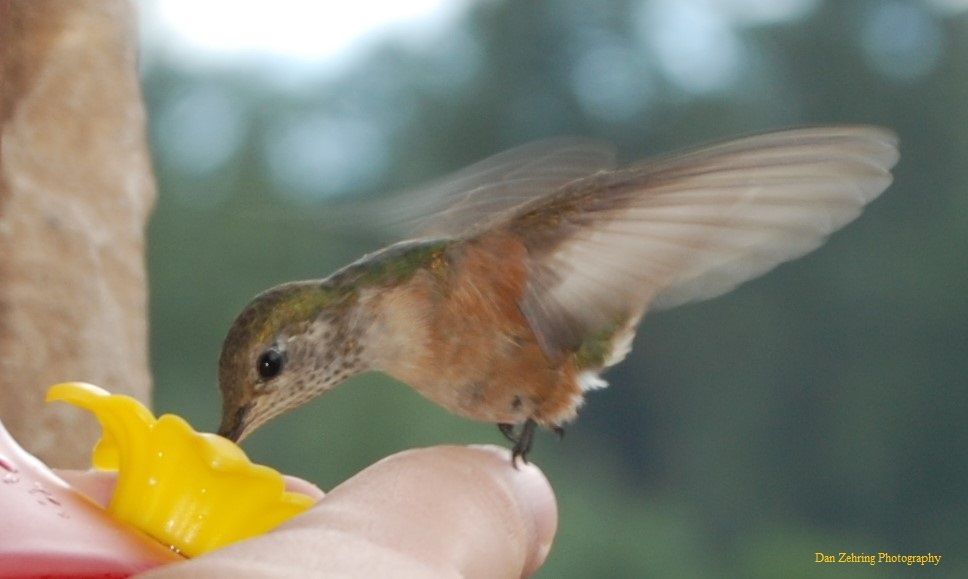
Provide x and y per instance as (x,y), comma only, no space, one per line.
(234,424)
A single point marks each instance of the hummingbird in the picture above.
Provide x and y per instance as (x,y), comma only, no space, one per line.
(532,270)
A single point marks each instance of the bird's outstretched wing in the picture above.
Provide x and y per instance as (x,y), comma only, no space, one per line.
(686,227)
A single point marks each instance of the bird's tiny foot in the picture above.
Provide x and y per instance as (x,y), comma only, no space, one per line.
(522,446)
(523,440)
(559,431)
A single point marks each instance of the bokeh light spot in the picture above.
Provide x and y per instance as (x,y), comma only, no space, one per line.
(901,40)
(609,84)
(693,44)
(199,130)
(288,35)
(313,157)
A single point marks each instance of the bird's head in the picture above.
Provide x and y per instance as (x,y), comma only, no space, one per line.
(289,345)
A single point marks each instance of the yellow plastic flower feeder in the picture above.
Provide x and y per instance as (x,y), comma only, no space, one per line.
(193,491)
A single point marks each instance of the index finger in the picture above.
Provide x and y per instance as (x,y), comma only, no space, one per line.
(443,511)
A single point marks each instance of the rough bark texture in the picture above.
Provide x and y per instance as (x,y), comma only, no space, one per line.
(75,193)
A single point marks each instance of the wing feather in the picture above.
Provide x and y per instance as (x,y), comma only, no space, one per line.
(688,227)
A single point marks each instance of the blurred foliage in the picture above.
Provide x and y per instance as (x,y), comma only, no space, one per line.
(821,408)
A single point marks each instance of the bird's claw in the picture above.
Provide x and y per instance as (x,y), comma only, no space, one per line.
(522,441)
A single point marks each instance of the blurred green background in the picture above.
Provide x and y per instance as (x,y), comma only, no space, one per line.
(820,408)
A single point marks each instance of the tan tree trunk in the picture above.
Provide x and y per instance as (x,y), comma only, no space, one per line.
(75,193)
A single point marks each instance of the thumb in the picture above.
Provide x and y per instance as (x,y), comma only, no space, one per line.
(432,512)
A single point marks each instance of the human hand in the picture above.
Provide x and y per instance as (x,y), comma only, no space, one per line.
(442,511)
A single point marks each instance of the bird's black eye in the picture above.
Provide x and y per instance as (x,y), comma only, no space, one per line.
(269,364)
